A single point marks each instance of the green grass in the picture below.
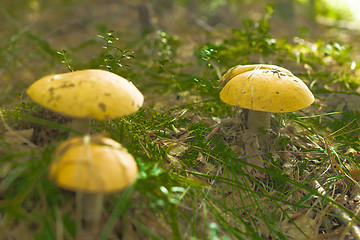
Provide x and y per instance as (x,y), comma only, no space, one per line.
(191,186)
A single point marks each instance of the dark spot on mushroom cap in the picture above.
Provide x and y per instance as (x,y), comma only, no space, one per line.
(67,85)
(277,92)
(102,106)
(107,94)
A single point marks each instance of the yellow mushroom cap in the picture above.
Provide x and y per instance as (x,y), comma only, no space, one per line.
(92,164)
(89,93)
(267,90)
(232,72)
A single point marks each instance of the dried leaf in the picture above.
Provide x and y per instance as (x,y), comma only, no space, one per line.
(177,149)
(299,221)
(206,167)
(351,151)
(20,231)
(174,161)
(19,139)
(237,149)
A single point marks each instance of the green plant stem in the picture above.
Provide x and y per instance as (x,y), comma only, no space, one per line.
(174,222)
(119,209)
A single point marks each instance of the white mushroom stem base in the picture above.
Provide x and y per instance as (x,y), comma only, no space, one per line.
(257,120)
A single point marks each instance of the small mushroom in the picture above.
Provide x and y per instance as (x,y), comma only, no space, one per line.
(264,89)
(92,166)
(87,94)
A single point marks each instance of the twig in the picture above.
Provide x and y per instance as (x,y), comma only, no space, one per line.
(201,23)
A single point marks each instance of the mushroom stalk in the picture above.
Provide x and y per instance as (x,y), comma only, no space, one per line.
(258,120)
(91,206)
(81,125)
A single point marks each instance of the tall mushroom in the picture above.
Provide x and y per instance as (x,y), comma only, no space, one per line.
(87,94)
(92,166)
(264,89)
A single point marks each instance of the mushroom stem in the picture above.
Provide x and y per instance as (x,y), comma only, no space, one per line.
(259,123)
(258,120)
(252,149)
(81,125)
(91,206)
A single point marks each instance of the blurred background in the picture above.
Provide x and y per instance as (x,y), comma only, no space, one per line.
(34,33)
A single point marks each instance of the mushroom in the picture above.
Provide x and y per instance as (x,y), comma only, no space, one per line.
(264,89)
(87,94)
(92,166)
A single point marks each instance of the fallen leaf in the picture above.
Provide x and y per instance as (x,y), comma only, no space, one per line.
(21,231)
(298,221)
(177,149)
(19,139)
(174,161)
(206,167)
